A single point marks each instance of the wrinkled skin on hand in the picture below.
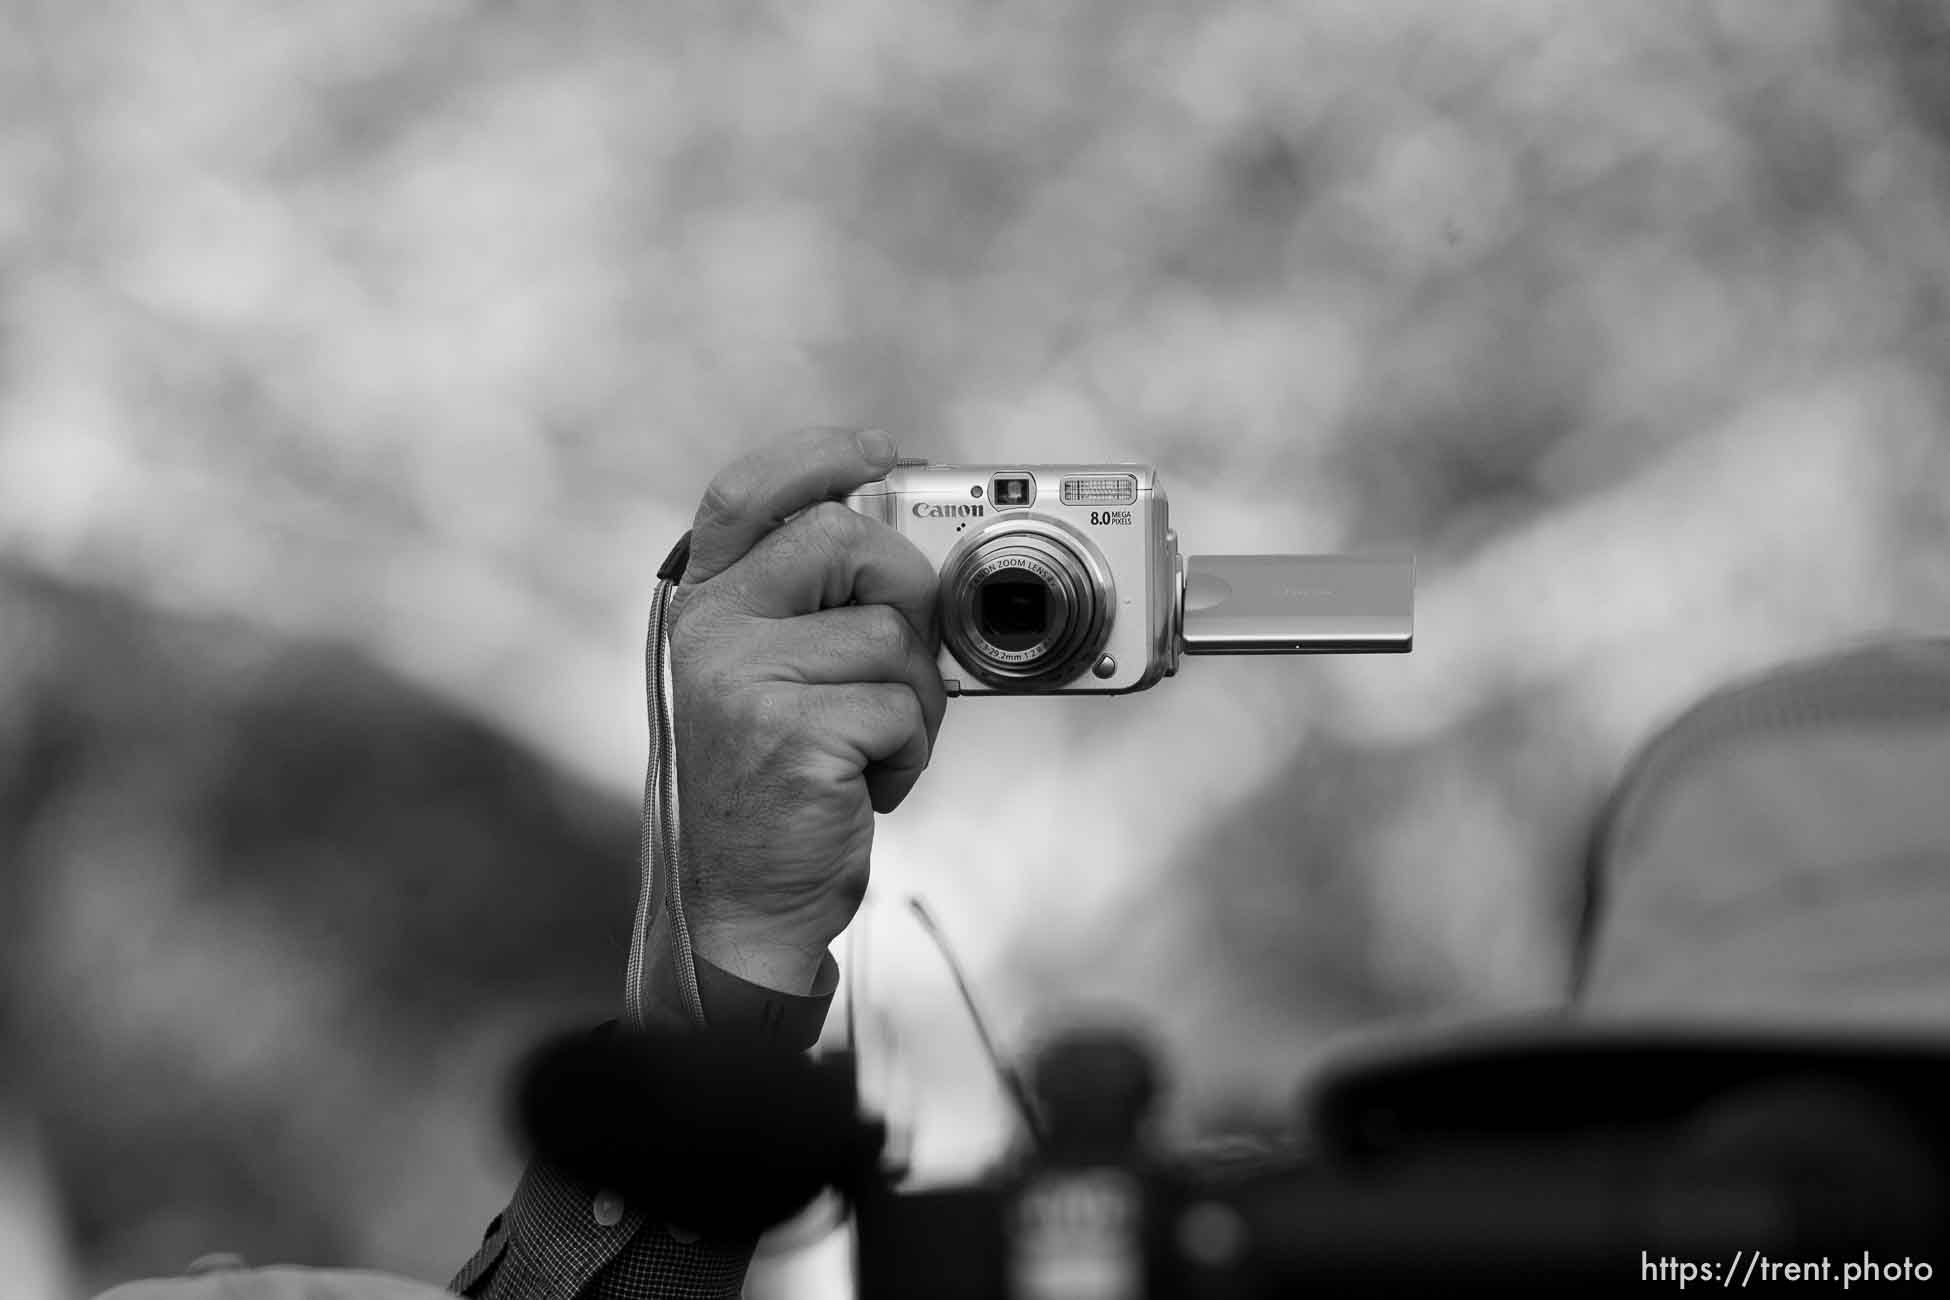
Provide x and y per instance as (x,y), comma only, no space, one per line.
(807,699)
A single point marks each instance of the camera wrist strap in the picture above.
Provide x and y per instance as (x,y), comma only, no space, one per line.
(661,932)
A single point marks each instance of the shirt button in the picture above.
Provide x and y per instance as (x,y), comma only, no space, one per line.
(608,1209)
(682,1236)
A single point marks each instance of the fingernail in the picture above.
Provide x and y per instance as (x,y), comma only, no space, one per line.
(877,445)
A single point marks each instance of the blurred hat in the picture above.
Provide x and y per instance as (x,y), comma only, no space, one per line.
(1768,886)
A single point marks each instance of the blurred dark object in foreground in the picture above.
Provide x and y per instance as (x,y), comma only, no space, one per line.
(720,1137)
(1497,1165)
(1502,1170)
(265,911)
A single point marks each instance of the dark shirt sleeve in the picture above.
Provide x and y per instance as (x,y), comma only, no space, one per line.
(561,1240)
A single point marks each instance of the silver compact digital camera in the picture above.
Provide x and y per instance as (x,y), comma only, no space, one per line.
(1068,578)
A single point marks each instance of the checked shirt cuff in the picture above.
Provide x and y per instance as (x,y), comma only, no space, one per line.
(560,1240)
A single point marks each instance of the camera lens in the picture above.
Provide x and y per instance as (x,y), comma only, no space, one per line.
(1026,604)
(1014,611)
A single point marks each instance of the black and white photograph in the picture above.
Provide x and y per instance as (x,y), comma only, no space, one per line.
(978,650)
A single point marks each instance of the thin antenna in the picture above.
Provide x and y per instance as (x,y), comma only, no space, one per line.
(1011,1081)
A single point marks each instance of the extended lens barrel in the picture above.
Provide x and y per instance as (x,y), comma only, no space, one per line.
(1026,605)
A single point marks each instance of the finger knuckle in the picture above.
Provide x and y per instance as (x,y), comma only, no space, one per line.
(920,582)
(726,498)
(900,712)
(907,707)
(886,632)
(837,522)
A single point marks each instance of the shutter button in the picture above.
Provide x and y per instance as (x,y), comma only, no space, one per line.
(608,1209)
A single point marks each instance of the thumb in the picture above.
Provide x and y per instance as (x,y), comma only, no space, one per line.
(754,495)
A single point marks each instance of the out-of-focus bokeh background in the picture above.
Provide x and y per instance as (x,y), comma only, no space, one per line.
(359,361)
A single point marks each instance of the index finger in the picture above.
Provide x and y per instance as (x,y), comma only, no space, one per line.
(754,495)
(828,557)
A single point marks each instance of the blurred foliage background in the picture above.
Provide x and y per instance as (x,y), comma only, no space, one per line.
(359,361)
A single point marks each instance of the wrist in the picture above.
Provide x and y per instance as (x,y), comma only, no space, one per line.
(782,961)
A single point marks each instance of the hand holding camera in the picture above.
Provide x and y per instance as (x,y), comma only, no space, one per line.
(802,652)
(835,597)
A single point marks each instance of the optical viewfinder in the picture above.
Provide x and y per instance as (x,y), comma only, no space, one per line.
(1012,490)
